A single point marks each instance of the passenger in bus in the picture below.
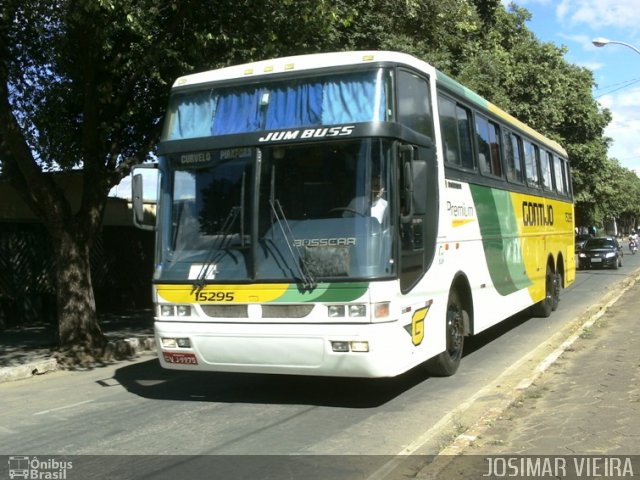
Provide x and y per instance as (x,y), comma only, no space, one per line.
(375,206)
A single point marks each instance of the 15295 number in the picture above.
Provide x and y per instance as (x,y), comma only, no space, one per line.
(214,296)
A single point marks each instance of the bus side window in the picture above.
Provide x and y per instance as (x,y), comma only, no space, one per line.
(455,124)
(513,157)
(487,135)
(531,164)
(545,170)
(414,103)
(558,171)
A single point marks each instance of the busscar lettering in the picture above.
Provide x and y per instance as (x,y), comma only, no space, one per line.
(537,214)
(285,135)
(325,242)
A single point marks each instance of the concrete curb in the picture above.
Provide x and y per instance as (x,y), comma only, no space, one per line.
(28,370)
(116,350)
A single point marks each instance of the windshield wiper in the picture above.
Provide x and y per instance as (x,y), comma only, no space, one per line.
(303,269)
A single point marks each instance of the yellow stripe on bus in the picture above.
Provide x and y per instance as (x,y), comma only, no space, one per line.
(221,293)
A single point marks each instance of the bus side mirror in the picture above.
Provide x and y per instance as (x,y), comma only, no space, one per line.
(137,203)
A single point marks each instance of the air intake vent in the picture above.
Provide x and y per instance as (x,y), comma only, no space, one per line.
(225,311)
(286,311)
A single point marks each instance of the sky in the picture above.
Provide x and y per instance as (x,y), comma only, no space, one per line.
(616,68)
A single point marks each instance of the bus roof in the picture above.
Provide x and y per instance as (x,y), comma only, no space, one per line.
(301,63)
(316,61)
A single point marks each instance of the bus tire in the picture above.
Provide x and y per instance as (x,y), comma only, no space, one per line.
(551,298)
(446,363)
(556,291)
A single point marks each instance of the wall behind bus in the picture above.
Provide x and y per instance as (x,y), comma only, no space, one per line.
(121,260)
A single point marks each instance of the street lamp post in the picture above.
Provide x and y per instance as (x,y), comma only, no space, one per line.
(601,42)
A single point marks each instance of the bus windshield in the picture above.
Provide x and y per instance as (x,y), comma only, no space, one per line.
(318,210)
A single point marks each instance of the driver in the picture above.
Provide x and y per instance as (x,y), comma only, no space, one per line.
(375,206)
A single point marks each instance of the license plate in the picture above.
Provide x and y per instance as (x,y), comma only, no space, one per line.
(180,358)
(596,260)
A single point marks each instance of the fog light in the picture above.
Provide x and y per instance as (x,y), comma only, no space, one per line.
(183,342)
(335,310)
(183,310)
(167,311)
(357,310)
(359,346)
(340,346)
(169,342)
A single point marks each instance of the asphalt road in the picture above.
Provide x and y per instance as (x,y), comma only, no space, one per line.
(379,428)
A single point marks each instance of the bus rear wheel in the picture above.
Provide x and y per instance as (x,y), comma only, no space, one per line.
(551,297)
(446,363)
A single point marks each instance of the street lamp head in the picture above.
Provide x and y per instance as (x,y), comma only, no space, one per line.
(600,41)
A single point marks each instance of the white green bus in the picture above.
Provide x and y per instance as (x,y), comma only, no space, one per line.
(348,214)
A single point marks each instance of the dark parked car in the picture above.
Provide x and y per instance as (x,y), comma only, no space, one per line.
(580,239)
(600,252)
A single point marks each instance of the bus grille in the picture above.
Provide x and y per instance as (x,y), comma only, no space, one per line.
(268,311)
(228,311)
(286,311)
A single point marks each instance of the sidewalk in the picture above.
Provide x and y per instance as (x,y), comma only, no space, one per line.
(586,403)
(26,352)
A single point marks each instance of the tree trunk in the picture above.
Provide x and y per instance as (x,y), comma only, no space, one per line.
(81,340)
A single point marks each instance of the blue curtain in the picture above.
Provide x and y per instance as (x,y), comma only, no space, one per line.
(194,115)
(237,112)
(346,99)
(350,101)
(295,106)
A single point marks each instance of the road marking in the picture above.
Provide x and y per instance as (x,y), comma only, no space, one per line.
(62,408)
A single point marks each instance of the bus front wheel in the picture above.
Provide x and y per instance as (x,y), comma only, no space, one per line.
(446,363)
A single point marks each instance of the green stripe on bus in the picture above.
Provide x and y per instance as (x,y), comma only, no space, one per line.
(500,239)
(325,292)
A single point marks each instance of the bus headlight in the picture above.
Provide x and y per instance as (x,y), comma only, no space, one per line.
(355,310)
(175,310)
(352,346)
(359,346)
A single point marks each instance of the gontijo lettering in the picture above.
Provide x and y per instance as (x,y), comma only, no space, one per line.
(537,214)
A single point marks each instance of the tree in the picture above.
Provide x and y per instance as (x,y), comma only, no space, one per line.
(83,85)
